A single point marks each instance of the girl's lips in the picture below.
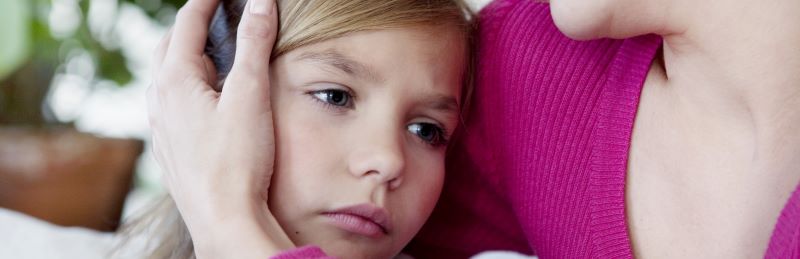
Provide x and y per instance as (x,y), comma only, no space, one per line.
(364,219)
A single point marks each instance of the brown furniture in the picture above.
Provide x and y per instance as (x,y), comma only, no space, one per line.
(66,177)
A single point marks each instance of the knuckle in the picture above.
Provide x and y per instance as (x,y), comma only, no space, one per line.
(256,29)
(242,72)
(170,79)
(151,98)
(153,146)
(149,94)
(160,85)
(152,118)
(246,79)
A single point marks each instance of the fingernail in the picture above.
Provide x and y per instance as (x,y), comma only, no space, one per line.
(262,7)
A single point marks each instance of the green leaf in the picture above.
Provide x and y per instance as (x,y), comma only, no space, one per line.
(153,7)
(15,43)
(112,66)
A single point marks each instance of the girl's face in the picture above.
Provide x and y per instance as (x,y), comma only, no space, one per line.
(362,123)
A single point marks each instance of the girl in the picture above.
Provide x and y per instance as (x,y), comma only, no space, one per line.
(364,96)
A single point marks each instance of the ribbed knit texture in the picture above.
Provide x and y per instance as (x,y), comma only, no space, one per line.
(785,242)
(305,252)
(540,167)
(540,164)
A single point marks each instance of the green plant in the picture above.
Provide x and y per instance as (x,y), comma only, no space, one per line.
(30,54)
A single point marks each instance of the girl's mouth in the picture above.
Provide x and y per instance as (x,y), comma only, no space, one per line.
(363,219)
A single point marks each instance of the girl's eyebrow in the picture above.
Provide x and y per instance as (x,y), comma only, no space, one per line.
(343,63)
(441,103)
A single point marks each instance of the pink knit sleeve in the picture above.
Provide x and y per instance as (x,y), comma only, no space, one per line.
(305,252)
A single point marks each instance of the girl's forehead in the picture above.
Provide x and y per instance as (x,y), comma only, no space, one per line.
(428,54)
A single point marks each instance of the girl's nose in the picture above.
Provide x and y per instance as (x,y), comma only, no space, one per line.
(379,156)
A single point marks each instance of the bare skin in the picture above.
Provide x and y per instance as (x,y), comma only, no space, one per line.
(715,142)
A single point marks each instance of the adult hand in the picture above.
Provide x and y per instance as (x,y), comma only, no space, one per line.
(217,148)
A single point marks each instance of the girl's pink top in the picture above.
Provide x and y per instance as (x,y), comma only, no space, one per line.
(540,166)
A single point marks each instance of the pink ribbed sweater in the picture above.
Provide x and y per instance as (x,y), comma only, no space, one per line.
(540,166)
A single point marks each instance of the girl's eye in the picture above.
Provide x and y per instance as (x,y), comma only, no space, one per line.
(430,133)
(334,97)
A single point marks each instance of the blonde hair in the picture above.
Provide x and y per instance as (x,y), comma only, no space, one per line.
(302,22)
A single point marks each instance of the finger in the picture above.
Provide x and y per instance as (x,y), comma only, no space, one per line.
(248,81)
(191,30)
(160,52)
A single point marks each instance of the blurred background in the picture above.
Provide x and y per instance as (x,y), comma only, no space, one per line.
(74,154)
(72,113)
